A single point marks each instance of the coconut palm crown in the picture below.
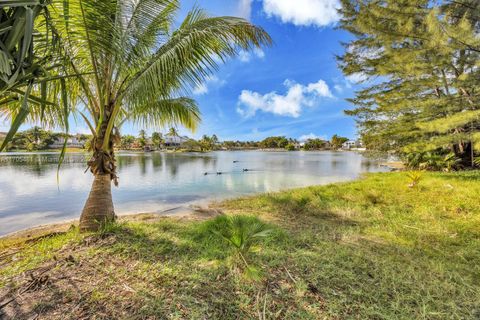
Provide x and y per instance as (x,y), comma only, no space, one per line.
(132,65)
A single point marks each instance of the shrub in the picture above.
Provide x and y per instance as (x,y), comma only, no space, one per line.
(241,233)
(415,178)
(476,161)
(433,161)
(290,147)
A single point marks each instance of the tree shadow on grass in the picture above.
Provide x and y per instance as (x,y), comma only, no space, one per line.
(160,270)
(52,292)
(364,274)
(473,175)
(180,268)
(296,212)
(166,241)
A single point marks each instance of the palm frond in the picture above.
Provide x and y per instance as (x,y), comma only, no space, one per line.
(191,54)
(166,112)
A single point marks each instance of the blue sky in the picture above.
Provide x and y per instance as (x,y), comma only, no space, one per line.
(293,88)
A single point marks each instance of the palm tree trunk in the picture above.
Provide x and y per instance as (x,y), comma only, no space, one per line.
(98,209)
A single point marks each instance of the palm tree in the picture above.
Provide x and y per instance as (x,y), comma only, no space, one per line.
(206,143)
(173,132)
(38,138)
(215,139)
(157,139)
(142,138)
(35,134)
(130,66)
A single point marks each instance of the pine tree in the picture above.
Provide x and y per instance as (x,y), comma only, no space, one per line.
(419,63)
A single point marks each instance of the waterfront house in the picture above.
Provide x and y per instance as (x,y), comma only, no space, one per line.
(352,144)
(72,142)
(174,140)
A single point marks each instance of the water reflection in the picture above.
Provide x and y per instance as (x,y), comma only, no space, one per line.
(153,182)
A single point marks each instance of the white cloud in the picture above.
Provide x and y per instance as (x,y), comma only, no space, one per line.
(320,88)
(304,12)
(209,82)
(357,78)
(309,136)
(361,54)
(338,88)
(346,83)
(259,53)
(200,89)
(244,9)
(291,104)
(246,56)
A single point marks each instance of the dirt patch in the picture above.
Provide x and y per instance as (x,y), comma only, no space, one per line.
(63,288)
(65,285)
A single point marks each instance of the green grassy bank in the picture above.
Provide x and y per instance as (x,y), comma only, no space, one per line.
(369,249)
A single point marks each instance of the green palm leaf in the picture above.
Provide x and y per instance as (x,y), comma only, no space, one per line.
(166,112)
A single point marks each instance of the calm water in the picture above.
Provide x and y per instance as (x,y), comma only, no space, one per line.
(155,182)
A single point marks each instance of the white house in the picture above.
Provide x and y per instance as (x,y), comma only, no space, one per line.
(352,144)
(172,140)
(72,142)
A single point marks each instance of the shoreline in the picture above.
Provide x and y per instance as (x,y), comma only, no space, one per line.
(187,210)
(192,212)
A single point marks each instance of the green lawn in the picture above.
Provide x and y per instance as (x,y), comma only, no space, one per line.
(369,249)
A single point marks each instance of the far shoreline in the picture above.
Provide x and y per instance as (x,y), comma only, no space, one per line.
(76,150)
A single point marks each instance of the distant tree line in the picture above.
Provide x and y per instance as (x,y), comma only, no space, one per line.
(36,138)
(210,143)
(282,142)
(39,139)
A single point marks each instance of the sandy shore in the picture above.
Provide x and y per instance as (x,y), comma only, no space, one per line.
(395,165)
(179,213)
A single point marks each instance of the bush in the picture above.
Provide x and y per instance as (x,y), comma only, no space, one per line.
(433,161)
(290,147)
(415,178)
(241,233)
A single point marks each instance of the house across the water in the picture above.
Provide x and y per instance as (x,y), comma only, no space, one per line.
(72,142)
(175,141)
(352,145)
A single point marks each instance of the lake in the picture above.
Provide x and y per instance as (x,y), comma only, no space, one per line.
(157,181)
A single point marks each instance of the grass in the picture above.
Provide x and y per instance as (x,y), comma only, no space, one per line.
(369,249)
